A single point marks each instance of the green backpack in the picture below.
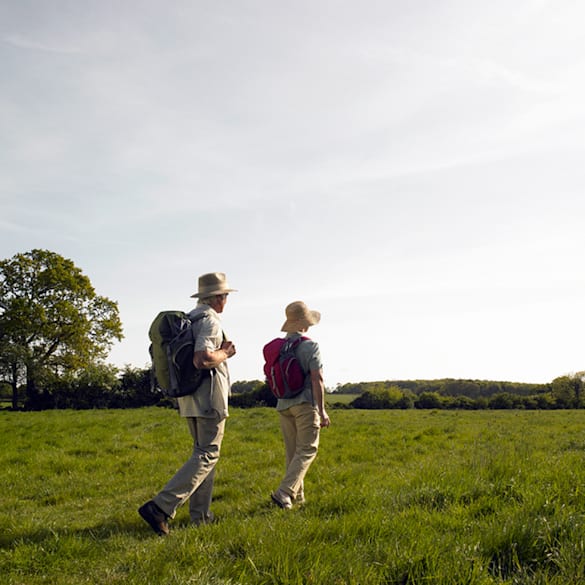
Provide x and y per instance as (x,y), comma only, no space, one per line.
(171,350)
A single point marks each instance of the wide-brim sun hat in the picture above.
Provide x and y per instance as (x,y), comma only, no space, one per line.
(213,283)
(299,316)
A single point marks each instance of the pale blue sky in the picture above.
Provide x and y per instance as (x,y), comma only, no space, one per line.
(412,170)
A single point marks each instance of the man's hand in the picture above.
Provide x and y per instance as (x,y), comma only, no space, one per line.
(229,348)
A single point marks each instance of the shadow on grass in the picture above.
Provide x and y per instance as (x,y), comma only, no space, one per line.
(137,527)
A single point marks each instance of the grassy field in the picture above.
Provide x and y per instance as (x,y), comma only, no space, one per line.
(394,497)
(334,398)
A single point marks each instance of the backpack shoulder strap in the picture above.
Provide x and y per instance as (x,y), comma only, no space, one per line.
(196,317)
(200,316)
(292,344)
(195,320)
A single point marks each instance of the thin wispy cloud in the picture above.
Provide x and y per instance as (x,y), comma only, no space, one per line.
(31,44)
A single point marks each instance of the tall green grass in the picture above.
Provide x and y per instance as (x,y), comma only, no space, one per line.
(394,497)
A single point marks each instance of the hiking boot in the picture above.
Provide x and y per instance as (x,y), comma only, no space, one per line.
(157,519)
(281,499)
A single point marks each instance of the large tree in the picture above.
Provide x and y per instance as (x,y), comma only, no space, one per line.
(51,321)
(567,390)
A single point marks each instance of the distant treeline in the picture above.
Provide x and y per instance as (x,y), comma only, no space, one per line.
(562,392)
(105,386)
(449,387)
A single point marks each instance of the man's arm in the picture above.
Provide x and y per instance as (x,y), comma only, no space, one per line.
(207,360)
(319,395)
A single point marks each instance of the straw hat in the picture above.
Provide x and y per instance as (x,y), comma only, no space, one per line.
(299,316)
(213,283)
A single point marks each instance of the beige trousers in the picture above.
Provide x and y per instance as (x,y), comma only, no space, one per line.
(194,481)
(300,427)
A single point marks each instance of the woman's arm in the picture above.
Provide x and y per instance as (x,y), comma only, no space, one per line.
(319,395)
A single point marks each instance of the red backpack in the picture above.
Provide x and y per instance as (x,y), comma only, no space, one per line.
(283,371)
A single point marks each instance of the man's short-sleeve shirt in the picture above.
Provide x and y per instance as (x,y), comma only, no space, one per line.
(212,395)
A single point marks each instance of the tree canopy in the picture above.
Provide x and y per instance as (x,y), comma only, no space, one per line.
(52,321)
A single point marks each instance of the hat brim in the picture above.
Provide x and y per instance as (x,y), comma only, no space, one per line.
(294,325)
(212,293)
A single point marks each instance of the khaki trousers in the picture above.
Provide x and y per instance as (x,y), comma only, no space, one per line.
(300,427)
(194,481)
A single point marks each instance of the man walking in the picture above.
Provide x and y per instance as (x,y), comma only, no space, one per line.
(205,412)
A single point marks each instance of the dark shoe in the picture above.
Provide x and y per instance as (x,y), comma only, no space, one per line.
(281,499)
(155,517)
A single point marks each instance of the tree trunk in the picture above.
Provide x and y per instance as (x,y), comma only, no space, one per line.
(32,392)
(14,396)
(14,384)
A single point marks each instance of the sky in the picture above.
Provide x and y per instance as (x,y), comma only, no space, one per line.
(412,170)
